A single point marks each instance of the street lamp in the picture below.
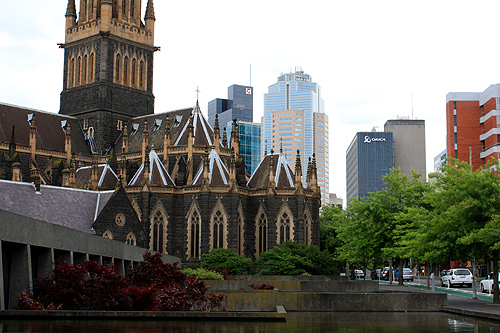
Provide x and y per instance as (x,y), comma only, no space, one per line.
(482,150)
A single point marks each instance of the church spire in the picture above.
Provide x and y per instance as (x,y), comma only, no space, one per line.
(71,14)
(150,18)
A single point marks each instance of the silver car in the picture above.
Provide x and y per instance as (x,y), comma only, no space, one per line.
(457,277)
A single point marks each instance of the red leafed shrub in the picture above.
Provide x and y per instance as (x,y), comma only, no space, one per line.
(152,286)
(263,286)
(89,286)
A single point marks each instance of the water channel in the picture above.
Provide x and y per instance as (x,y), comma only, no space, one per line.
(296,322)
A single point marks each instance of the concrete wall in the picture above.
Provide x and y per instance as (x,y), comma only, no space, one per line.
(267,300)
(298,286)
(29,247)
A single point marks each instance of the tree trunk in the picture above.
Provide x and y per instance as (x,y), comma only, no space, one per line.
(495,278)
(390,271)
(427,272)
(400,275)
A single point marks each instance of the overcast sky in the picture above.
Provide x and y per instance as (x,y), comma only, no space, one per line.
(371,58)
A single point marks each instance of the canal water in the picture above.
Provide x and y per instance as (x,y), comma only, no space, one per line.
(297,322)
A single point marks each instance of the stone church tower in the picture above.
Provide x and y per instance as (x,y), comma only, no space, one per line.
(108,67)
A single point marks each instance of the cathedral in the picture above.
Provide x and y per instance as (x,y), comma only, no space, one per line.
(167,181)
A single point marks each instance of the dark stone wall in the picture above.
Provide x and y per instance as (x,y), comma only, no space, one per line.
(119,203)
(102,99)
(177,207)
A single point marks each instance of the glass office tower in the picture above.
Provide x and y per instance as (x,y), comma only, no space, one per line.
(293,91)
(250,138)
(296,93)
(369,158)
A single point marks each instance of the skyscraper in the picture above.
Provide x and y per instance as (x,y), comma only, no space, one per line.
(294,119)
(409,144)
(368,159)
(238,105)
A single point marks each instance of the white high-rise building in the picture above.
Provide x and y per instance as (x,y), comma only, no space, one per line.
(294,119)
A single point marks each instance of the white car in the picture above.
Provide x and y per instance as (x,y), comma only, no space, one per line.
(486,284)
(457,277)
(359,273)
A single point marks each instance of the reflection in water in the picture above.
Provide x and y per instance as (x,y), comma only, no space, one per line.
(297,322)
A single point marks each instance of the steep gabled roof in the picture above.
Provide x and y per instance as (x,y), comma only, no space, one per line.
(218,173)
(156,129)
(284,175)
(158,174)
(203,132)
(72,208)
(107,177)
(50,134)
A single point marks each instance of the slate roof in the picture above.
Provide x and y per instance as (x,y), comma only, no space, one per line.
(158,174)
(218,173)
(107,177)
(72,208)
(156,129)
(284,174)
(50,134)
(203,132)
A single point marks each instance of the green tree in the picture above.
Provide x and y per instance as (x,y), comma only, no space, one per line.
(373,225)
(466,210)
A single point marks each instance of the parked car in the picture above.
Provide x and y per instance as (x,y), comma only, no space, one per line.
(359,273)
(376,274)
(487,284)
(385,274)
(457,277)
(407,274)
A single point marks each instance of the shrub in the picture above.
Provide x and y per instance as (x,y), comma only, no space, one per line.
(225,259)
(291,258)
(153,285)
(89,286)
(202,273)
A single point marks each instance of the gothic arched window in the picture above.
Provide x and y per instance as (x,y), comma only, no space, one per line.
(141,74)
(117,68)
(78,70)
(107,234)
(284,228)
(194,234)
(71,73)
(91,68)
(134,70)
(261,233)
(217,227)
(85,64)
(125,70)
(132,8)
(158,237)
(131,239)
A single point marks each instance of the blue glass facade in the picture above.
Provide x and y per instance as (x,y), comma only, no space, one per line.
(250,139)
(293,91)
(369,158)
(239,106)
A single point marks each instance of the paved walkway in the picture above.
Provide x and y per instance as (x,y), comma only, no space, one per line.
(459,301)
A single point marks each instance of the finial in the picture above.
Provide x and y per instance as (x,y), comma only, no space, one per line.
(197,94)
(150,11)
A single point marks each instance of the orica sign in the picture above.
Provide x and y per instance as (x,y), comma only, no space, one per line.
(370,140)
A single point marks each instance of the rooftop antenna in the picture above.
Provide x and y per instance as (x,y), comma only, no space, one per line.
(250,75)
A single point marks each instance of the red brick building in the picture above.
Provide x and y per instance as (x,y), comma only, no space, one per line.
(472,125)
